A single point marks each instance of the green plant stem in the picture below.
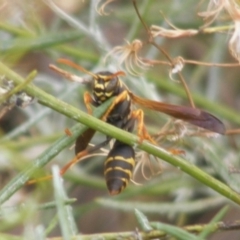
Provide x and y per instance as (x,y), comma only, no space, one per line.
(163,208)
(10,28)
(123,136)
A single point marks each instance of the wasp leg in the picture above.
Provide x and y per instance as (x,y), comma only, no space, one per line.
(82,154)
(75,160)
(88,102)
(141,129)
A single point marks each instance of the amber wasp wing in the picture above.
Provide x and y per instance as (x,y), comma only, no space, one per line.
(191,115)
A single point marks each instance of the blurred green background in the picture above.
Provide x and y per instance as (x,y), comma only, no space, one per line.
(34,34)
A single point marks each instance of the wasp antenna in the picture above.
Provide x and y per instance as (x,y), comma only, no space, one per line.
(74,65)
(119,73)
(109,77)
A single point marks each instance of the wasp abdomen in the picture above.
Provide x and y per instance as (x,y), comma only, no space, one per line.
(119,167)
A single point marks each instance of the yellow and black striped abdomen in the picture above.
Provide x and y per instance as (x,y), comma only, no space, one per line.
(118,167)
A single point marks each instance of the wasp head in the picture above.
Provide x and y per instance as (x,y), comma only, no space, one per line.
(105,85)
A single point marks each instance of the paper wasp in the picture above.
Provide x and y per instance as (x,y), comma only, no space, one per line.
(120,161)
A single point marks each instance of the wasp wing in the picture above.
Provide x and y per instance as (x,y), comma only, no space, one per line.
(191,115)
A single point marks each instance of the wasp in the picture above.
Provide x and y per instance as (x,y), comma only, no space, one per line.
(120,162)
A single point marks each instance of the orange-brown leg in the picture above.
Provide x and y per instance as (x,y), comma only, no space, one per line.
(141,129)
(76,159)
(88,101)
